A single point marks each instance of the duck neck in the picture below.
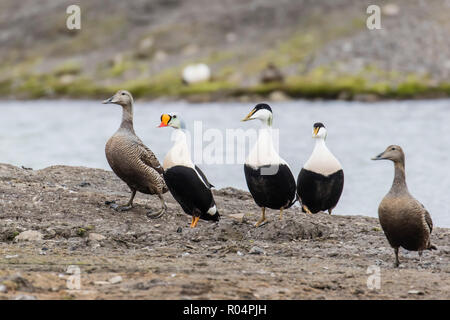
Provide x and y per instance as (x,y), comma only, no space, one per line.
(127,117)
(265,134)
(320,145)
(399,183)
(179,154)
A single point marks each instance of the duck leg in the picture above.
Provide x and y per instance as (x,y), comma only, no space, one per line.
(126,207)
(194,221)
(305,209)
(281,214)
(397,262)
(263,218)
(161,212)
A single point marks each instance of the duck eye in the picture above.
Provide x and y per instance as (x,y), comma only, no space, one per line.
(123,93)
(392,149)
(174,117)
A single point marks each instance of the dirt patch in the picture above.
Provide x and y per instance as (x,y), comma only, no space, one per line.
(300,257)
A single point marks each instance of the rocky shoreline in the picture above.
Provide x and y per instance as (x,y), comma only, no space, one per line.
(54,218)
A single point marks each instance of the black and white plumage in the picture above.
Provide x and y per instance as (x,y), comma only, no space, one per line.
(186,182)
(321,180)
(269,178)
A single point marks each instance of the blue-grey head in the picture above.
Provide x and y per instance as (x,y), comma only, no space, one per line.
(172,120)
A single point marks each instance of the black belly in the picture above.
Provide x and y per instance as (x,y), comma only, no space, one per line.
(190,192)
(319,192)
(274,191)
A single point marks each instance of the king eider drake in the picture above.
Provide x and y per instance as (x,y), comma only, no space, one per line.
(269,178)
(186,181)
(321,180)
(405,221)
(131,160)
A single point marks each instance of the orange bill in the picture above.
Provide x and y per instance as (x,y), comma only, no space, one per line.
(165,118)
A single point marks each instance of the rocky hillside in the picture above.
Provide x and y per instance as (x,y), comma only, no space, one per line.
(322,48)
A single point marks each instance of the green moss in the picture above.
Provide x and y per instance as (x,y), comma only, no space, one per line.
(67,68)
(81,232)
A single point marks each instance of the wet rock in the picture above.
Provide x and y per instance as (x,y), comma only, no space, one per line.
(29,235)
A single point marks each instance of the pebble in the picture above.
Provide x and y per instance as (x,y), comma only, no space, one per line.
(12,256)
(116,279)
(96,237)
(256,250)
(3,288)
(239,253)
(24,297)
(238,216)
(420,293)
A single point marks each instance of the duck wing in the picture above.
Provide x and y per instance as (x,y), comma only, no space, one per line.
(427,217)
(148,157)
(428,220)
(202,175)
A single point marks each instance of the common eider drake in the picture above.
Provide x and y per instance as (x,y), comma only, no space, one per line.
(269,178)
(186,182)
(405,221)
(321,180)
(131,160)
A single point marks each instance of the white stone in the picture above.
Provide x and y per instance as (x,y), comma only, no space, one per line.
(116,279)
(29,235)
(194,73)
(96,237)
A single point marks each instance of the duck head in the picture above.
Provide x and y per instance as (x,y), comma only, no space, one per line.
(121,97)
(393,153)
(172,120)
(319,131)
(262,112)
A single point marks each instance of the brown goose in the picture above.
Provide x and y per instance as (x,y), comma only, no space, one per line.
(131,160)
(405,221)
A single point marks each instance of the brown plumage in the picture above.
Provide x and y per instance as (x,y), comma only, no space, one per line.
(405,221)
(131,160)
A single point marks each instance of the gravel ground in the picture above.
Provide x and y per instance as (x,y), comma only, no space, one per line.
(127,256)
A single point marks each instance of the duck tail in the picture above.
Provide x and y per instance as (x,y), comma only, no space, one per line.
(432,247)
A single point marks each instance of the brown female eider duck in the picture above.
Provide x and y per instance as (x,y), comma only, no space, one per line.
(405,221)
(131,160)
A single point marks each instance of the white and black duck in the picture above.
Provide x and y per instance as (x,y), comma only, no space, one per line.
(321,180)
(269,178)
(186,182)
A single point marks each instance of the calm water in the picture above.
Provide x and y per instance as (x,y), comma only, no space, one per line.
(38,134)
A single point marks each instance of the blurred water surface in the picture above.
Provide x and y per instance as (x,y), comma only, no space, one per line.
(38,134)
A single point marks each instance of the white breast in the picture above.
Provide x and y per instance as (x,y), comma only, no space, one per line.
(263,152)
(322,161)
(179,154)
